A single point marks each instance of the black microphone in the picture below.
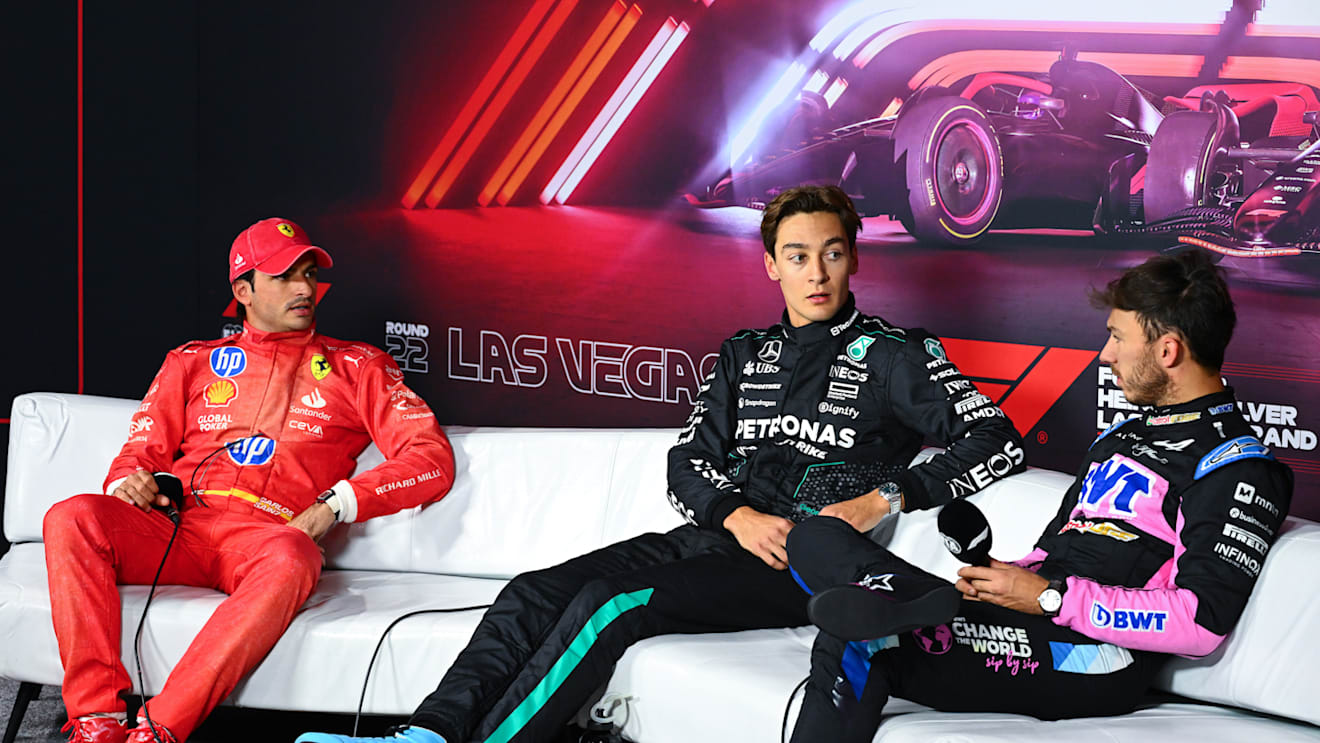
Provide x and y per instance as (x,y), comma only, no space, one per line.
(965,531)
(171,487)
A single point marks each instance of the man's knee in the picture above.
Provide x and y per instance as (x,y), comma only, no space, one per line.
(810,546)
(72,516)
(294,556)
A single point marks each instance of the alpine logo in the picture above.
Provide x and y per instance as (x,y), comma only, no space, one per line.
(1127,620)
(253,450)
(228,361)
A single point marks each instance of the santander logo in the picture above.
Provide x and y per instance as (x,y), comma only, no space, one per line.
(314,400)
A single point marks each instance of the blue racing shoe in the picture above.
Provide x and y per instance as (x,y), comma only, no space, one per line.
(403,734)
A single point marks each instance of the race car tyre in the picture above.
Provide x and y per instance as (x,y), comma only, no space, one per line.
(954,169)
(1181,163)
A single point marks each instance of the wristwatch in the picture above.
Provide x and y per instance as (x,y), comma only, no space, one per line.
(331,499)
(1051,599)
(891,492)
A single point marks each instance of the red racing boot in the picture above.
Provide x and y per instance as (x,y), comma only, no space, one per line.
(144,733)
(95,730)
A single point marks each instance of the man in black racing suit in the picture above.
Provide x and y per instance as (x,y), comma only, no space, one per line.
(1154,550)
(820,413)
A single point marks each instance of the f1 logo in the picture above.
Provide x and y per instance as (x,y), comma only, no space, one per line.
(1025,381)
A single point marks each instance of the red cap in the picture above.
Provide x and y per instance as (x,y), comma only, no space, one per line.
(271,246)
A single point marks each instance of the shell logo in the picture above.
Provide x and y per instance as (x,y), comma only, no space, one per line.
(220,393)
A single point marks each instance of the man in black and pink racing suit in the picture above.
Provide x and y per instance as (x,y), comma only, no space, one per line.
(1154,550)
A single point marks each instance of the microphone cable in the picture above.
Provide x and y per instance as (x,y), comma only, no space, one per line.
(783,726)
(173,515)
(357,718)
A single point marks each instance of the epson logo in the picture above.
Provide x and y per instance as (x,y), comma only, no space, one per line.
(415,330)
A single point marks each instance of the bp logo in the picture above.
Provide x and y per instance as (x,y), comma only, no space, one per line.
(253,450)
(228,361)
(857,349)
(934,348)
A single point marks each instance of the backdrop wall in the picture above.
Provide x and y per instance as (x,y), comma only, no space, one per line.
(606,309)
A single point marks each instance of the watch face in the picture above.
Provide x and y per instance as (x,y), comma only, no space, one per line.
(1050,600)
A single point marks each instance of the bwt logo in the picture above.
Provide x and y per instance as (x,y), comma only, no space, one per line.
(406,342)
(1120,481)
(253,450)
(1127,620)
(228,361)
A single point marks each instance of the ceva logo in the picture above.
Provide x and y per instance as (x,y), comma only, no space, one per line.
(253,450)
(1024,380)
(1127,620)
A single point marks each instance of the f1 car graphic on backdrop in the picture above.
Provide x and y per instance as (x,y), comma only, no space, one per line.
(1233,168)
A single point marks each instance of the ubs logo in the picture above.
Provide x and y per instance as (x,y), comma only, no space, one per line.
(769,352)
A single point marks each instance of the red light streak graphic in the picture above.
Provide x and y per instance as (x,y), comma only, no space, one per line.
(579,63)
(624,28)
(608,110)
(501,99)
(474,104)
(675,37)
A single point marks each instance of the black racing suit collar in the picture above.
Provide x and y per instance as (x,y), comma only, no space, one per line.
(1203,403)
(818,331)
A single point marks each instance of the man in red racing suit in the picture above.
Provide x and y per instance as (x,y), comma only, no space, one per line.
(263,429)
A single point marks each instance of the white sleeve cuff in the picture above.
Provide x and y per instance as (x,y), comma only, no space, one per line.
(110,489)
(344,501)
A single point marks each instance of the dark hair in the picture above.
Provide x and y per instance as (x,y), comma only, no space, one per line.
(249,277)
(805,200)
(1186,293)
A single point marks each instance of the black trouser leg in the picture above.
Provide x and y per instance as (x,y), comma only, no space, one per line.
(721,589)
(988,659)
(837,708)
(825,552)
(520,619)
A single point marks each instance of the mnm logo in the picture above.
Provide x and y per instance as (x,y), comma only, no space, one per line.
(228,361)
(253,450)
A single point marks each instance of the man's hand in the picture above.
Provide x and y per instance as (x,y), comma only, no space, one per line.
(1003,585)
(314,521)
(139,489)
(761,534)
(862,512)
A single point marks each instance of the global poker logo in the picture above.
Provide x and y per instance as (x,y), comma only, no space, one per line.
(228,361)
(253,450)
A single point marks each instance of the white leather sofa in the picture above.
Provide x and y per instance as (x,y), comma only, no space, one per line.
(528,498)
